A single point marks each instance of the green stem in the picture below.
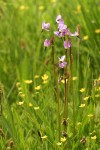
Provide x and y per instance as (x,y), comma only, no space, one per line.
(56,92)
(65,95)
(72,90)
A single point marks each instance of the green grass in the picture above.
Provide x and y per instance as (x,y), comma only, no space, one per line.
(27,119)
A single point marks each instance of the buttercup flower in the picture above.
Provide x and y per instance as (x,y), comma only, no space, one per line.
(47,43)
(45,26)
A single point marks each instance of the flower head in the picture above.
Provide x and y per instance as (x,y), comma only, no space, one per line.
(47,43)
(62,58)
(67,44)
(62,63)
(59,19)
(45,26)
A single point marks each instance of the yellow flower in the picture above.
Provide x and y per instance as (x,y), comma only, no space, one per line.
(41,7)
(63,81)
(82,105)
(36,108)
(22,7)
(36,76)
(17,84)
(53,1)
(85,37)
(44,137)
(44,77)
(99,79)
(74,78)
(78,9)
(59,143)
(46,81)
(21,103)
(93,137)
(20,88)
(28,81)
(22,95)
(30,105)
(82,90)
(63,139)
(79,123)
(38,87)
(97,95)
(97,31)
(90,115)
(86,98)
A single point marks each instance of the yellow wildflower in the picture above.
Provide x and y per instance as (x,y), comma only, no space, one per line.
(63,81)
(22,7)
(20,88)
(46,81)
(44,77)
(85,37)
(44,137)
(97,31)
(36,76)
(97,95)
(63,139)
(22,95)
(53,1)
(17,84)
(30,105)
(21,103)
(93,137)
(28,81)
(82,105)
(41,7)
(79,123)
(90,115)
(74,78)
(36,108)
(59,143)
(38,87)
(86,98)
(82,90)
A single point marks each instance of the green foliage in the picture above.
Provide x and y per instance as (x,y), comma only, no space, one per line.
(28,111)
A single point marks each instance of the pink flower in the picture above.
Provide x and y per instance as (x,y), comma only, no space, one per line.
(74,34)
(47,43)
(67,44)
(45,26)
(62,63)
(59,19)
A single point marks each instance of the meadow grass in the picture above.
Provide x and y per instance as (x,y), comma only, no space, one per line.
(33,104)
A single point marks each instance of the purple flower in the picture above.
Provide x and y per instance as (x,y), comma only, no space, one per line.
(59,19)
(45,26)
(47,43)
(62,27)
(62,30)
(75,34)
(62,64)
(67,44)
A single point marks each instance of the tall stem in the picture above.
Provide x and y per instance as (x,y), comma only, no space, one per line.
(56,92)
(65,95)
(72,90)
